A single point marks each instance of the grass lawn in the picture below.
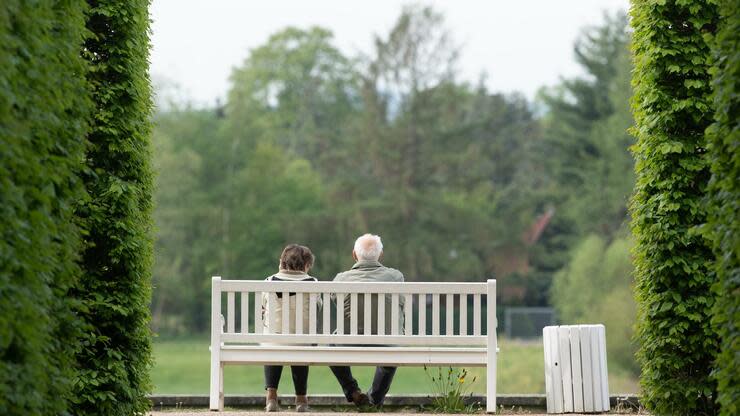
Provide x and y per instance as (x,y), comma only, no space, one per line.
(182,367)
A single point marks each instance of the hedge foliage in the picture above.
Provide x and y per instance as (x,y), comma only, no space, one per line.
(116,357)
(724,190)
(673,261)
(43,109)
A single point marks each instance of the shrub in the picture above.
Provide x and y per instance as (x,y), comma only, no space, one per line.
(43,107)
(117,259)
(724,192)
(673,260)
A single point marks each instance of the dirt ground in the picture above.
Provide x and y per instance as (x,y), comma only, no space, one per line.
(261,413)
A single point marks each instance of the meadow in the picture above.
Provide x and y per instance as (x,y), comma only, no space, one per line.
(182,367)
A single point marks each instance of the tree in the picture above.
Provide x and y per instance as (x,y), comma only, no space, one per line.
(44,108)
(584,151)
(596,286)
(115,357)
(672,108)
(724,194)
(585,146)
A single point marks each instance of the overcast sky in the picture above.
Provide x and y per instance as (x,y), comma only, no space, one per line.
(520,44)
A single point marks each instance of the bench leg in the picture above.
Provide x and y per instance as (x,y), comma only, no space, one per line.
(221,388)
(492,347)
(491,386)
(216,401)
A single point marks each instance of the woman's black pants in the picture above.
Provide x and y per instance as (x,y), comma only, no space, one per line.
(300,377)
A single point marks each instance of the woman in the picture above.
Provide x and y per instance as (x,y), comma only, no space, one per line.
(295,262)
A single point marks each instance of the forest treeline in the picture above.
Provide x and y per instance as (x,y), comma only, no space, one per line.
(317,147)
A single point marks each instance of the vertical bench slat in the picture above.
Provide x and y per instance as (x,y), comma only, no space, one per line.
(476,315)
(367,314)
(435,314)
(394,314)
(353,314)
(422,314)
(230,321)
(408,310)
(245,312)
(340,313)
(463,314)
(258,326)
(381,314)
(299,313)
(326,321)
(312,313)
(285,327)
(449,314)
(271,308)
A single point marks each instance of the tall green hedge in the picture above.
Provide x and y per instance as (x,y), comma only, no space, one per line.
(117,260)
(672,108)
(724,189)
(43,109)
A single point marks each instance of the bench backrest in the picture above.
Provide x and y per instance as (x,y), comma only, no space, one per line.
(457,317)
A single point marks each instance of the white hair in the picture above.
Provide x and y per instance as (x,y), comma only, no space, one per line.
(368,247)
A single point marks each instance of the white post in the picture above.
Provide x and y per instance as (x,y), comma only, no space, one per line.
(217,389)
(492,346)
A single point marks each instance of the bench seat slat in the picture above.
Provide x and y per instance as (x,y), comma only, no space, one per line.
(354,355)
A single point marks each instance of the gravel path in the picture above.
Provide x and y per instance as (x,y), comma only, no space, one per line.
(254,413)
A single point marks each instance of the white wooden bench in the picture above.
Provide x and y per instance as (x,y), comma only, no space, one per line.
(325,344)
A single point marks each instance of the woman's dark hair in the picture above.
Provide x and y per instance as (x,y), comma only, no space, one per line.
(296,257)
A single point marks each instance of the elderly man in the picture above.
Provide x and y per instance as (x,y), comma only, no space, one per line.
(367,252)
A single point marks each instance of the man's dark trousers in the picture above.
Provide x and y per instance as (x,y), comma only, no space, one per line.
(381,383)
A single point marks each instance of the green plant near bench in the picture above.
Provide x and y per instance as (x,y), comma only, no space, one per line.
(450,387)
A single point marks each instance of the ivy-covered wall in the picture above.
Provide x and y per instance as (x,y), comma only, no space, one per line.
(117,259)
(673,260)
(724,192)
(43,113)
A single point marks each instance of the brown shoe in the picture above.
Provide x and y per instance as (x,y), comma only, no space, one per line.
(360,399)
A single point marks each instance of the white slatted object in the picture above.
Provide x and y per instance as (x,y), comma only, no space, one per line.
(291,333)
(575,368)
